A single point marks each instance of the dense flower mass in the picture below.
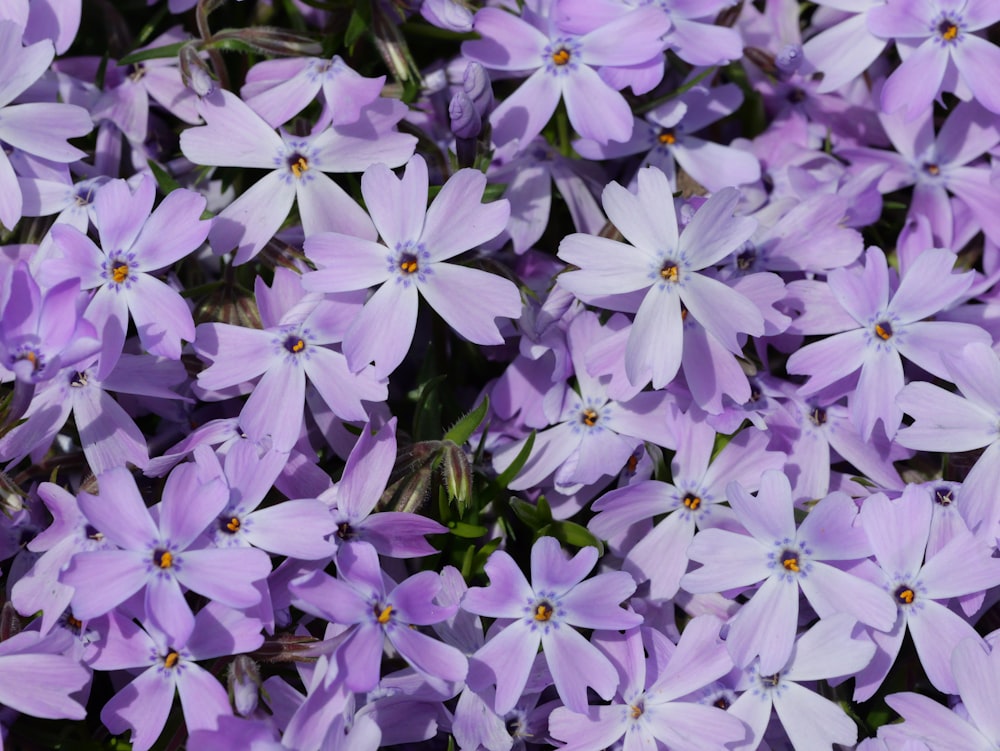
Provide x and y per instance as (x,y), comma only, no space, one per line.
(562,374)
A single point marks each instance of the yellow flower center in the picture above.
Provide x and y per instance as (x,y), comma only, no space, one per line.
(589,417)
(670,272)
(171,659)
(408,264)
(233,525)
(119,272)
(692,501)
(163,558)
(383,615)
(561,56)
(667,137)
(298,165)
(883,330)
(543,611)
(948,31)
(905,595)
(791,562)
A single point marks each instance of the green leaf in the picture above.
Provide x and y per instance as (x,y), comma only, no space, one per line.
(464,428)
(526,512)
(356,28)
(576,535)
(163,178)
(518,464)
(468,531)
(155,53)
(427,413)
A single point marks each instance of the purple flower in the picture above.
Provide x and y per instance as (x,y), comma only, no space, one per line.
(379,611)
(235,135)
(664,264)
(161,557)
(785,560)
(544,613)
(134,242)
(417,242)
(37,679)
(888,329)
(564,67)
(938,37)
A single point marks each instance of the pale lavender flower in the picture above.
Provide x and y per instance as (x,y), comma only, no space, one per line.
(544,613)
(665,264)
(418,239)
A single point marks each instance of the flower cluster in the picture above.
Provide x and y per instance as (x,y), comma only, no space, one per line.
(576,374)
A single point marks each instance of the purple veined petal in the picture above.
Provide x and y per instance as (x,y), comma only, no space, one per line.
(323,596)
(825,52)
(729,561)
(234,136)
(812,721)
(723,311)
(221,631)
(973,57)
(647,219)
(108,311)
(109,436)
(507,660)
(713,233)
(358,565)
(80,257)
(122,212)
(769,516)
(11,202)
(399,534)
(523,115)
(127,106)
(936,631)
(552,570)
(397,206)
(351,93)
(279,89)
(937,723)
(295,528)
(225,574)
(104,579)
(978,683)
(383,331)
(178,217)
(457,221)
(693,727)
(413,600)
(203,698)
(973,186)
(595,110)
(866,293)
(428,655)
(355,148)
(606,266)
(716,166)
(828,360)
(469,300)
(969,132)
(41,685)
(551,449)
(508,592)
(360,658)
(868,680)
(161,316)
(974,371)
(914,84)
(766,626)
(904,20)
(927,342)
(275,408)
(507,43)
(343,391)
(21,66)
(238,354)
(704,43)
(875,397)
(644,27)
(325,207)
(929,286)
(346,263)
(625,506)
(660,557)
(755,709)
(959,568)
(41,128)
(576,664)
(252,219)
(699,659)
(832,591)
(744,459)
(599,728)
(646,416)
(594,603)
(655,343)
(119,512)
(944,421)
(190,503)
(898,530)
(933,202)
(530,194)
(167,609)
(366,473)
(142,707)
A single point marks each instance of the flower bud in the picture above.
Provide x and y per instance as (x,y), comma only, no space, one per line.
(457,473)
(789,58)
(465,120)
(477,86)
(194,71)
(243,684)
(270,41)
